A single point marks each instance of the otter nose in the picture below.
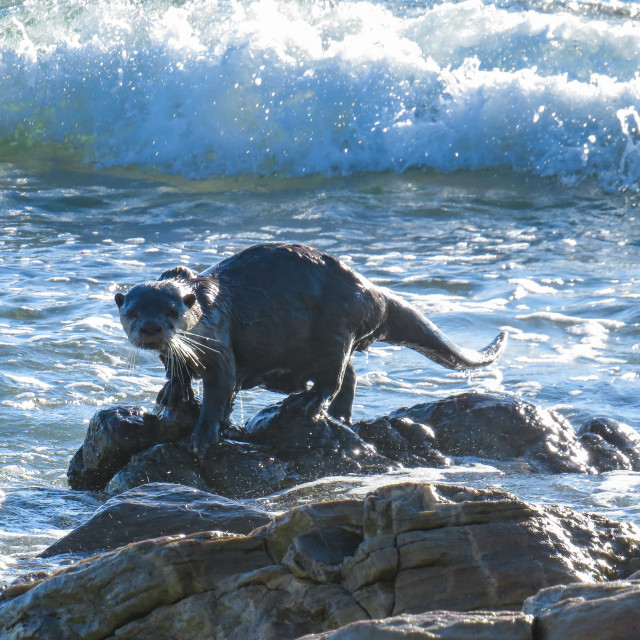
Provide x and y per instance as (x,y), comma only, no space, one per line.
(150,329)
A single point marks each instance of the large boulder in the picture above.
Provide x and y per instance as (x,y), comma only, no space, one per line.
(501,427)
(402,550)
(154,510)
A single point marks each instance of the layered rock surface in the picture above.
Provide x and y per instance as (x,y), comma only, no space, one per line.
(401,552)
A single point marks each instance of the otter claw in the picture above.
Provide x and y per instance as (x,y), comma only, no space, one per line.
(203,437)
(199,453)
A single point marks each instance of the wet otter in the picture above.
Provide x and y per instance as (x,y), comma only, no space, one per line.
(277,316)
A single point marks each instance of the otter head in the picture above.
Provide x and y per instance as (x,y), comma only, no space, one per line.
(153,313)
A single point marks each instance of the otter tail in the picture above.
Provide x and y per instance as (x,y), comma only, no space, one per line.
(405,326)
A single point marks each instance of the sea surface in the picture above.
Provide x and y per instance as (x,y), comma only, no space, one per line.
(480,158)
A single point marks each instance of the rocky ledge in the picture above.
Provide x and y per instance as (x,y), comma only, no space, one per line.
(406,561)
(126,446)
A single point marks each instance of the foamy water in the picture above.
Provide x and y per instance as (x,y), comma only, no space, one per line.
(292,87)
(480,159)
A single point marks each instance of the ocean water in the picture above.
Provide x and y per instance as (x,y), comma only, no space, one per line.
(482,159)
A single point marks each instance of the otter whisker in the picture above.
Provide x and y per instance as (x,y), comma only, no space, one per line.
(194,346)
(131,359)
(186,332)
(190,344)
(187,338)
(185,351)
(176,359)
(177,364)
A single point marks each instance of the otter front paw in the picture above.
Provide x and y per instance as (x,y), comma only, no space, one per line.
(174,393)
(203,436)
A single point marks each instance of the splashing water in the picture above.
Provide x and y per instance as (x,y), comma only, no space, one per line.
(287,87)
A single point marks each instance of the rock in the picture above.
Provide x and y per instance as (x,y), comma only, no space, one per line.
(288,432)
(94,598)
(280,448)
(603,456)
(501,427)
(319,553)
(402,550)
(115,434)
(403,440)
(440,625)
(154,510)
(268,604)
(279,535)
(611,444)
(233,469)
(126,447)
(317,446)
(587,611)
(464,549)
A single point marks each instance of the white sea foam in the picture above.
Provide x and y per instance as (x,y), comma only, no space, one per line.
(288,87)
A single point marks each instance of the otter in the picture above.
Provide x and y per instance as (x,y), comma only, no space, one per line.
(285,317)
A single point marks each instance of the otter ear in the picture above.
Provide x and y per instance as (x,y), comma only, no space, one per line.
(119,299)
(189,299)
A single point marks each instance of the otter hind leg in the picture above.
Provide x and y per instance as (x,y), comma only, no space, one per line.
(330,370)
(405,326)
(341,406)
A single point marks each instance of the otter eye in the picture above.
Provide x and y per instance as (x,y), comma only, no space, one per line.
(172,312)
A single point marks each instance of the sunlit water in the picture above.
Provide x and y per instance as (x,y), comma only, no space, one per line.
(480,159)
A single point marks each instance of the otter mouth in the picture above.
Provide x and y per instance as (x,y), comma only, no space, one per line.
(151,344)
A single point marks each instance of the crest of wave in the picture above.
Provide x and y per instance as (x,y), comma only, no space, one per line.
(289,87)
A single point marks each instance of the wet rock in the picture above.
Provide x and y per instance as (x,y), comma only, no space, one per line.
(126,447)
(317,446)
(587,611)
(280,448)
(403,549)
(611,444)
(154,510)
(115,434)
(233,469)
(403,440)
(132,582)
(441,625)
(501,427)
(290,433)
